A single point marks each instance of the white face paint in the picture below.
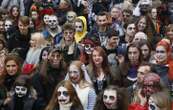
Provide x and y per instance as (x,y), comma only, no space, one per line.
(53,22)
(74,73)
(63,96)
(46,19)
(8,24)
(20,91)
(88,48)
(161,54)
(152,105)
(71,16)
(78,27)
(110,99)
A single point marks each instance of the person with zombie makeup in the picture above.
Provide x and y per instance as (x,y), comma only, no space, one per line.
(20,37)
(81,81)
(23,95)
(163,63)
(61,10)
(100,73)
(87,46)
(159,101)
(8,25)
(50,72)
(68,45)
(71,16)
(151,84)
(53,32)
(64,98)
(112,98)
(80,28)
(143,69)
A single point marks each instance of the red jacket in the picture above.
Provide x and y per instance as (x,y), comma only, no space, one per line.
(136,106)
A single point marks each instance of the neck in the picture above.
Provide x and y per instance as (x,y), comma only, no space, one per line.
(65,107)
(67,43)
(102,28)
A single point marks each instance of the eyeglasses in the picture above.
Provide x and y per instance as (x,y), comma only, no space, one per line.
(64,93)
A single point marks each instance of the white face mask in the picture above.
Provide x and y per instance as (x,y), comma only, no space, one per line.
(46,19)
(20,91)
(8,24)
(63,96)
(110,99)
(53,22)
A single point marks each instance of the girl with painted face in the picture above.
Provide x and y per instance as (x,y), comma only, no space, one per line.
(80,79)
(112,98)
(163,60)
(64,98)
(23,95)
(159,101)
(80,28)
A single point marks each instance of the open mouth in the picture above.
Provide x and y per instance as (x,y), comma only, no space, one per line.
(62,100)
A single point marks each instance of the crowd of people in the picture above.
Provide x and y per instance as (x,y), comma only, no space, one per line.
(86,55)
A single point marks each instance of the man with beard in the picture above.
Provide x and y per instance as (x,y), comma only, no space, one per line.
(20,38)
(52,71)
